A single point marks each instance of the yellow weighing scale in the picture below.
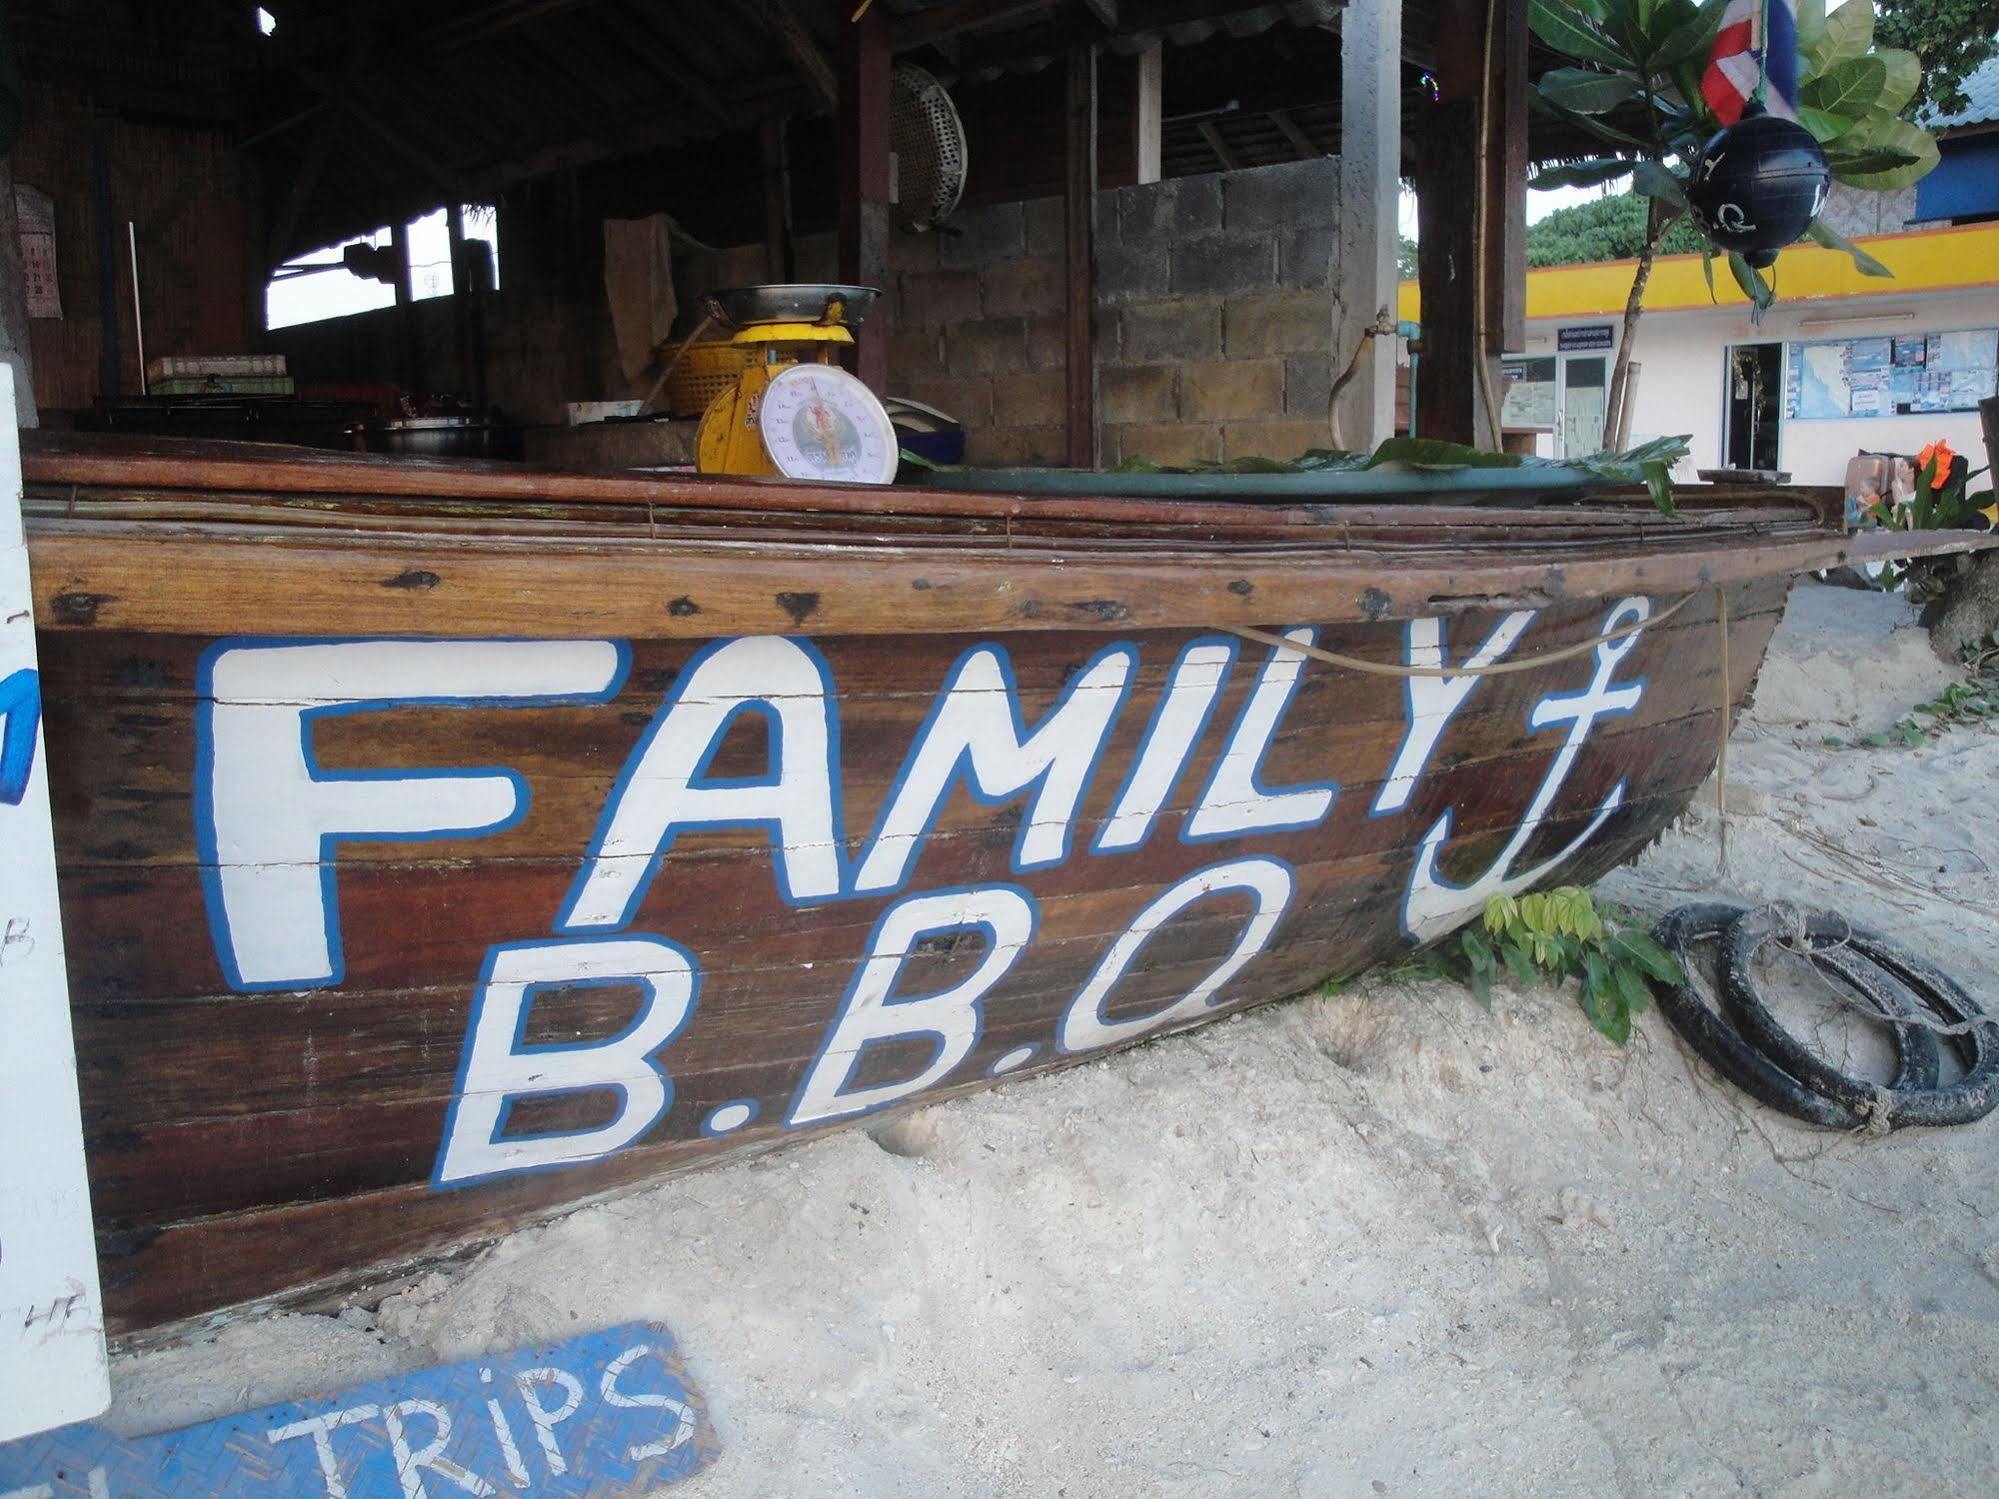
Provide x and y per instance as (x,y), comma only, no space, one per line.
(793,412)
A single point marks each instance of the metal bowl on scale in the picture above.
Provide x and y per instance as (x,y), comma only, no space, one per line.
(816,302)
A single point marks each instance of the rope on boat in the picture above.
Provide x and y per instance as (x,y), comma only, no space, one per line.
(1546,658)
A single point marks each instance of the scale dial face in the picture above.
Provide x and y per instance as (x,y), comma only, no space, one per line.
(819,422)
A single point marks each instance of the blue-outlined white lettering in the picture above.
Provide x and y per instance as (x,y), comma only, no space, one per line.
(975,733)
(499,1068)
(1432,905)
(267,817)
(952,1018)
(1268,881)
(1235,801)
(1431,702)
(1177,725)
(269,820)
(665,788)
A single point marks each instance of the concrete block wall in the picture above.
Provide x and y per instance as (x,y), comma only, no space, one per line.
(1216,314)
(1216,317)
(979,328)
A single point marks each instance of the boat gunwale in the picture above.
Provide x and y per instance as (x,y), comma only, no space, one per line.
(191,578)
(98,460)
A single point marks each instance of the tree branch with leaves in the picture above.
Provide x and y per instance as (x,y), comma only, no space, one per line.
(1635,88)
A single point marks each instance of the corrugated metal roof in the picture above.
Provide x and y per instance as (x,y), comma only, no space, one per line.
(1982,87)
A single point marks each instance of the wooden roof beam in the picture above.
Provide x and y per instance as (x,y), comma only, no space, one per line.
(940,21)
(1217,145)
(1305,146)
(800,50)
(633,28)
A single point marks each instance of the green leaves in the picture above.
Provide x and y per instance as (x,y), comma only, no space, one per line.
(1653,180)
(1587,91)
(1846,33)
(1574,32)
(1847,90)
(1592,173)
(1548,938)
(1882,154)
(1429,452)
(1832,239)
(1691,35)
(1754,287)
(1904,76)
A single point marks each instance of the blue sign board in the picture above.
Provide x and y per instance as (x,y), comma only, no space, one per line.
(605,1416)
(1587,338)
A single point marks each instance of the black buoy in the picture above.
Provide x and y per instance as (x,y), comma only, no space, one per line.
(1757,186)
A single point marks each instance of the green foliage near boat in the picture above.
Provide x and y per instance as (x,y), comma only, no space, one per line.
(1544,940)
(1973,701)
(1649,463)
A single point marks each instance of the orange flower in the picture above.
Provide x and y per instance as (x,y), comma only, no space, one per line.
(1940,451)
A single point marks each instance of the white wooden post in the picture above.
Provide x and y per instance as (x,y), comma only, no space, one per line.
(52,1368)
(1370,187)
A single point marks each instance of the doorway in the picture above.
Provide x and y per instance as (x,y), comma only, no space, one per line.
(1755,412)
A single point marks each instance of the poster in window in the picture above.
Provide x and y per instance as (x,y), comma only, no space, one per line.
(1922,373)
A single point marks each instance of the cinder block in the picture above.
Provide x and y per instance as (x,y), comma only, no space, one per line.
(983,235)
(988,346)
(1131,273)
(1223,265)
(1284,196)
(1160,332)
(1015,445)
(1143,393)
(970,401)
(1232,389)
(1282,440)
(1030,399)
(1044,226)
(1279,323)
(915,353)
(1307,258)
(1031,283)
(1171,444)
(933,297)
(909,251)
(1158,212)
(1048,342)
(1308,385)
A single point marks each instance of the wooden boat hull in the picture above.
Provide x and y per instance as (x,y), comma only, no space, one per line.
(382,941)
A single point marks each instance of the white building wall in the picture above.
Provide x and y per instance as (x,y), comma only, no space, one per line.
(1684,364)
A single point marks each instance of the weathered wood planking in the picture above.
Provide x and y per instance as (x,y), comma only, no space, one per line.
(445,844)
(249,1144)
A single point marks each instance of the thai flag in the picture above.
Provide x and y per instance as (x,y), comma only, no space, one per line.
(1758,42)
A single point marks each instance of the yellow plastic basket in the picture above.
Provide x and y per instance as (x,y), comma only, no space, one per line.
(704,372)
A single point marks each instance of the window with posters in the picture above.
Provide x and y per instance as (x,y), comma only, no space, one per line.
(1903,374)
(1530,395)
